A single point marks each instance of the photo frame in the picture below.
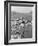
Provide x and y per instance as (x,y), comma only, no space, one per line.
(20,9)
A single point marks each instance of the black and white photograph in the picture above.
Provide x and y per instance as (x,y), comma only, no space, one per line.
(21,22)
